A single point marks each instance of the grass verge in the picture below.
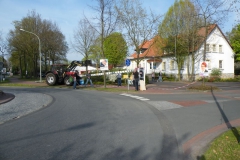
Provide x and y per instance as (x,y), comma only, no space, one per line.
(16,85)
(224,147)
(203,87)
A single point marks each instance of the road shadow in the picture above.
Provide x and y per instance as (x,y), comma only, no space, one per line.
(201,157)
(226,120)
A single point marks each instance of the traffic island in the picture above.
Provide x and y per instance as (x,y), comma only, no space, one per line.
(5,97)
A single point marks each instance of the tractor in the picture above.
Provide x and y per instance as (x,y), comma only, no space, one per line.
(61,73)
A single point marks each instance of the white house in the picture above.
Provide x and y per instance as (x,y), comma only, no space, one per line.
(219,55)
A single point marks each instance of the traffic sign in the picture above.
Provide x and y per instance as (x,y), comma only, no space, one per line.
(128,62)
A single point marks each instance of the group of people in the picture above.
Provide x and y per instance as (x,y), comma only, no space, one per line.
(136,78)
(77,78)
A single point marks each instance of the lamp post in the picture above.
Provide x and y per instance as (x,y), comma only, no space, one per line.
(39,48)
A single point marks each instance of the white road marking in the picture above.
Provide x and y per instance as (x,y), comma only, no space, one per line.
(164,105)
(160,105)
(136,97)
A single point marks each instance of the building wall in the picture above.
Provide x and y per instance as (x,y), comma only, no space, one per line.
(213,56)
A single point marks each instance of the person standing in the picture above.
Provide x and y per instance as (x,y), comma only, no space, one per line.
(76,78)
(160,76)
(88,75)
(136,78)
(119,79)
(153,76)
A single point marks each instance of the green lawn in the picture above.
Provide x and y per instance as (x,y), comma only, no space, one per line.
(224,147)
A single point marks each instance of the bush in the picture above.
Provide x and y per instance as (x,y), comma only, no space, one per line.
(146,79)
(237,68)
(216,72)
(167,77)
(214,79)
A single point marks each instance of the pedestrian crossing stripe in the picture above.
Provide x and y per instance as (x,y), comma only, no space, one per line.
(136,97)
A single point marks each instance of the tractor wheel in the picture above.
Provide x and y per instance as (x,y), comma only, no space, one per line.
(51,79)
(67,82)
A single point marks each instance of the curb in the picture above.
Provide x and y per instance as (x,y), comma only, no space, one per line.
(197,145)
(6,97)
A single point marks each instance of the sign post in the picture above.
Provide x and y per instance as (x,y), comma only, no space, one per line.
(128,62)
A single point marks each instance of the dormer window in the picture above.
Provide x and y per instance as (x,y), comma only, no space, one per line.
(142,50)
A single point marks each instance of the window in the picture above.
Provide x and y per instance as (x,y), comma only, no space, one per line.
(220,48)
(207,47)
(221,64)
(214,48)
(152,65)
(164,66)
(171,65)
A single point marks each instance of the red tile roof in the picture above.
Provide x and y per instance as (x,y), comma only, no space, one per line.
(153,46)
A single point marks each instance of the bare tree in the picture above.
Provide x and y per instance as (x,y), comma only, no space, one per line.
(192,23)
(84,38)
(139,25)
(212,12)
(104,22)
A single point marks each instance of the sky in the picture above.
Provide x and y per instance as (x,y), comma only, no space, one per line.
(67,13)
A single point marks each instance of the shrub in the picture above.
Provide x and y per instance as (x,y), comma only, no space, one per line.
(237,68)
(214,79)
(168,77)
(216,72)
(146,79)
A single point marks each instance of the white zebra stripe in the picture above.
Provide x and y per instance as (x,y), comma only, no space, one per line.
(136,97)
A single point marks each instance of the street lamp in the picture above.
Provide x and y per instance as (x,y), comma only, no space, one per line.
(39,48)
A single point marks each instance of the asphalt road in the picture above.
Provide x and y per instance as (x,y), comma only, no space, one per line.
(81,124)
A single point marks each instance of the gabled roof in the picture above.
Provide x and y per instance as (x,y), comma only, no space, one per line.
(210,29)
(151,47)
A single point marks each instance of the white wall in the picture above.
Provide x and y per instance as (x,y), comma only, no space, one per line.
(212,57)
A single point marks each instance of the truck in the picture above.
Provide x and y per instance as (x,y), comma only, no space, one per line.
(61,73)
